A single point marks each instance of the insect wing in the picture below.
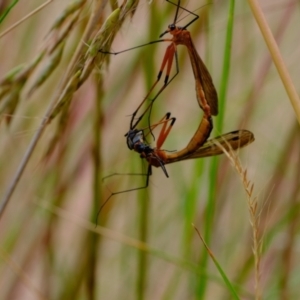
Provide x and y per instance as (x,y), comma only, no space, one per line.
(232,140)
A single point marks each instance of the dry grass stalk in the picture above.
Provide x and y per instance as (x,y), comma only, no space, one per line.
(276,56)
(111,26)
(254,214)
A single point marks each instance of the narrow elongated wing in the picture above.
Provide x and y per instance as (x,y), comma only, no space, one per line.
(232,140)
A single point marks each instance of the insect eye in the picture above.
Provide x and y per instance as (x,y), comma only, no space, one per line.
(129,144)
(139,148)
(133,137)
(172,27)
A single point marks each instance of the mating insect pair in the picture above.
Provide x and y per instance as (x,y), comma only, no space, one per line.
(199,145)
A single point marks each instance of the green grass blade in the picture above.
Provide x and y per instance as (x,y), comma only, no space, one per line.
(223,274)
(7,10)
(210,208)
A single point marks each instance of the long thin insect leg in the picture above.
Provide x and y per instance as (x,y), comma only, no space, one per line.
(166,83)
(132,126)
(177,10)
(167,62)
(156,41)
(162,121)
(136,47)
(166,58)
(178,6)
(162,165)
(165,132)
(159,92)
(148,174)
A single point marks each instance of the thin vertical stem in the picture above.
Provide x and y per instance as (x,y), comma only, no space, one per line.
(210,208)
(276,56)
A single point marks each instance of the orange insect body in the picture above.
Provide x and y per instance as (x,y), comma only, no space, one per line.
(196,148)
(205,90)
(199,145)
